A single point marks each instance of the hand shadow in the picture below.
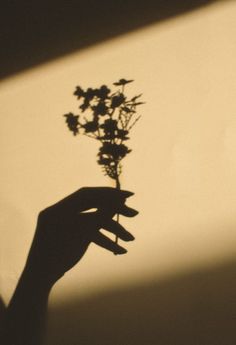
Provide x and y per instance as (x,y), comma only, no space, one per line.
(63,233)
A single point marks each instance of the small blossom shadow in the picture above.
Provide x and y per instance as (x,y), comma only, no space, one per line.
(107,116)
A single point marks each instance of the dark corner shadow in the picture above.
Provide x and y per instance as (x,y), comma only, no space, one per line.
(2,307)
(32,32)
(197,308)
(2,311)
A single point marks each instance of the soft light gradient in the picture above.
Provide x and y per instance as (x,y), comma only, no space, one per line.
(183,164)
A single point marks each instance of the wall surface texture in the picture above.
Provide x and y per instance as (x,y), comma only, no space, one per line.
(182,168)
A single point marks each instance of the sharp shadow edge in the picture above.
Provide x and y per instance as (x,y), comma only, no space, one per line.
(197,308)
(35,32)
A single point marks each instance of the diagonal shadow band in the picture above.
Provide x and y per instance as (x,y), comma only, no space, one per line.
(33,32)
(193,308)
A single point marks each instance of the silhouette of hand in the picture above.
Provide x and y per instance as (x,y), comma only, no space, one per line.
(64,230)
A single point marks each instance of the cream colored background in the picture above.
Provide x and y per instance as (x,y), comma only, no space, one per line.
(183,164)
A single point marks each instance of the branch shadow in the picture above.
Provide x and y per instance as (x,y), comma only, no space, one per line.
(196,308)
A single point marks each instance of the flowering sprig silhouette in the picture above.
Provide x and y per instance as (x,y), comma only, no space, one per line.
(106,116)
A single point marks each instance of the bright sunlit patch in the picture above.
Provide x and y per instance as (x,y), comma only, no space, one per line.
(91,210)
(181,168)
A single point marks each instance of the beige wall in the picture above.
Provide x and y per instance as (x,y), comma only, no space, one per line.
(182,168)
